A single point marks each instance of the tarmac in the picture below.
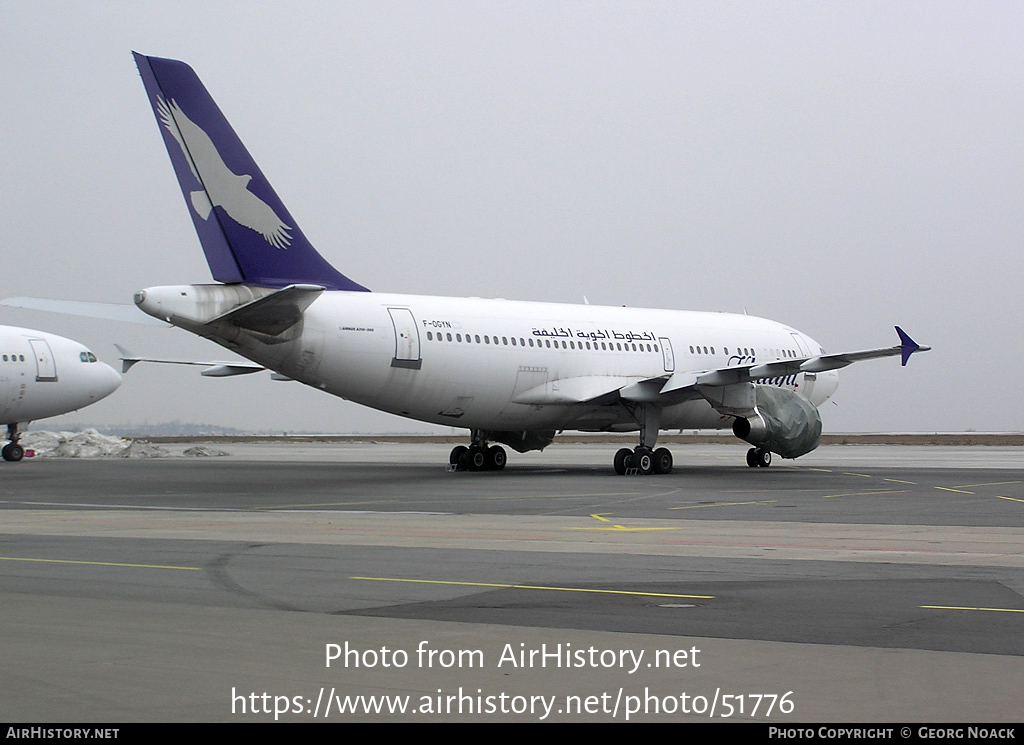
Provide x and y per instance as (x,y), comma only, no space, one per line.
(364,581)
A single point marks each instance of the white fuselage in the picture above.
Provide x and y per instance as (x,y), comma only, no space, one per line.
(498,364)
(43,375)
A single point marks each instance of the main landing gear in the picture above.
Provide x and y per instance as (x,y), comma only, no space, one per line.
(643,461)
(477,457)
(13,450)
(759,458)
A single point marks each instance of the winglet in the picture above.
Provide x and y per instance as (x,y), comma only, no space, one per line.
(908,346)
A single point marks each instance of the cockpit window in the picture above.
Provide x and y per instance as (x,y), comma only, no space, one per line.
(87,357)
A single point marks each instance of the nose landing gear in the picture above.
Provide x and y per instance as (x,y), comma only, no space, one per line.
(13,450)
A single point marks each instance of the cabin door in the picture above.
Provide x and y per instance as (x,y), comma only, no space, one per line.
(407,339)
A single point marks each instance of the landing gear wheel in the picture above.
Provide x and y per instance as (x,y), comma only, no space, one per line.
(475,459)
(662,461)
(643,461)
(13,451)
(759,458)
(621,461)
(496,458)
(455,459)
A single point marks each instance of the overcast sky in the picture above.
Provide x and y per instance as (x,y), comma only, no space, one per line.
(838,167)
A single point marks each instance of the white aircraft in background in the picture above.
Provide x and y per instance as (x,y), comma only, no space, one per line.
(510,372)
(43,375)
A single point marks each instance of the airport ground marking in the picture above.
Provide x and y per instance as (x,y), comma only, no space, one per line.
(862,475)
(502,585)
(567,496)
(101,507)
(957,491)
(990,483)
(767,491)
(613,526)
(964,607)
(622,529)
(100,563)
(871,493)
(300,507)
(1012,499)
(723,504)
(901,481)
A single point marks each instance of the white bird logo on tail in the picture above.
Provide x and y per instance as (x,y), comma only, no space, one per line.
(222,186)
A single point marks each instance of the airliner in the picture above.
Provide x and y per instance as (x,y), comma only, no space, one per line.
(43,375)
(513,373)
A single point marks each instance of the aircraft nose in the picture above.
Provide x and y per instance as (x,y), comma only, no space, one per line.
(105,380)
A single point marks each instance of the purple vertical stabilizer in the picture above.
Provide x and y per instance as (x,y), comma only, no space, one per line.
(246,232)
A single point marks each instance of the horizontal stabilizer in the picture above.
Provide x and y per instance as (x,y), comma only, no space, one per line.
(216,369)
(273,313)
(107,311)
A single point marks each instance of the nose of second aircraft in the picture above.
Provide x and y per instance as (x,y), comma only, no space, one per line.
(103,380)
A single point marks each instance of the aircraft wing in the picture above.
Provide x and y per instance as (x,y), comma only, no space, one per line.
(215,368)
(582,389)
(687,384)
(107,311)
(819,363)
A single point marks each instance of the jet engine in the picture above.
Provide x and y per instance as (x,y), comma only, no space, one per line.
(784,422)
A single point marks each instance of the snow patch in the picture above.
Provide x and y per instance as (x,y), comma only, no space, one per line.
(91,444)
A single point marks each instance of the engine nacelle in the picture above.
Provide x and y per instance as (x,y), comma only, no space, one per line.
(784,422)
